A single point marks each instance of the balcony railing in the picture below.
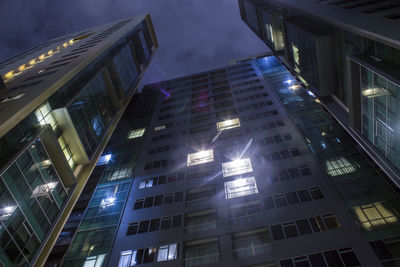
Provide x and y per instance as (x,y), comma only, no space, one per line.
(263,249)
(195,228)
(201,260)
(255,217)
(196,201)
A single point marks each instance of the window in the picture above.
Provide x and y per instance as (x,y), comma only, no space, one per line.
(339,166)
(240,187)
(94,261)
(200,157)
(136,133)
(159,128)
(228,124)
(374,215)
(236,167)
(167,252)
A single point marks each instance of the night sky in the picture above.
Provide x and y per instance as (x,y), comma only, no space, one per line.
(194,35)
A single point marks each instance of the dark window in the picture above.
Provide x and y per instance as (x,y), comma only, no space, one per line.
(330,221)
(294,173)
(149,255)
(166,223)
(148,202)
(292,198)
(138,204)
(158,200)
(290,229)
(317,260)
(284,154)
(295,152)
(280,201)
(305,170)
(286,263)
(333,259)
(316,193)
(304,227)
(169,198)
(144,226)
(304,195)
(277,232)
(275,156)
(179,196)
(348,257)
(132,229)
(155,225)
(162,179)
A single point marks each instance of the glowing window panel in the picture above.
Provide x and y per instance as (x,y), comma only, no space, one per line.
(296,56)
(127,258)
(104,159)
(6,212)
(240,187)
(136,133)
(44,189)
(94,261)
(228,124)
(107,202)
(339,166)
(159,128)
(374,92)
(236,167)
(200,157)
(374,215)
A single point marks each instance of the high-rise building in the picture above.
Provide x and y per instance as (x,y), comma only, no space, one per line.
(59,104)
(347,52)
(237,166)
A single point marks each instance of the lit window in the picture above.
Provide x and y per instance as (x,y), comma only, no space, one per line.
(228,124)
(127,258)
(6,212)
(240,187)
(136,133)
(107,202)
(295,51)
(146,183)
(67,152)
(167,252)
(43,190)
(44,116)
(236,167)
(374,92)
(339,166)
(120,174)
(104,159)
(158,128)
(94,261)
(374,215)
(200,157)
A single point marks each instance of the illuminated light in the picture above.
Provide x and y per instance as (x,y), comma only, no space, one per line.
(40,71)
(288,81)
(8,74)
(317,100)
(50,52)
(65,44)
(136,133)
(374,92)
(310,93)
(236,167)
(6,212)
(240,187)
(22,67)
(339,166)
(71,41)
(294,87)
(44,189)
(323,133)
(374,215)
(200,157)
(104,159)
(159,128)
(42,56)
(32,62)
(107,202)
(228,124)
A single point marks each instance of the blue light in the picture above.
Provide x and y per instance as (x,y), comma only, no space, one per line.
(104,159)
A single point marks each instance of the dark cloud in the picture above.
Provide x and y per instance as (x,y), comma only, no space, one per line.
(194,35)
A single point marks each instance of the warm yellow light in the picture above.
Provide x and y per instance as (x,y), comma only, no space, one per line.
(32,62)
(228,124)
(21,68)
(65,45)
(50,52)
(200,157)
(8,74)
(71,41)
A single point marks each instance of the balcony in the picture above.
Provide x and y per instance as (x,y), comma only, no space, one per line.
(253,250)
(201,260)
(245,219)
(203,227)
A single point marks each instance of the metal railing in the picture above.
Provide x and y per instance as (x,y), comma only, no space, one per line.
(263,249)
(201,260)
(195,228)
(255,217)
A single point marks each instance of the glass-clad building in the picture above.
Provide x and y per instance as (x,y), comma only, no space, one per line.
(59,104)
(347,54)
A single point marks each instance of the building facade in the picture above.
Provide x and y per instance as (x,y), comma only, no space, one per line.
(238,166)
(59,104)
(347,53)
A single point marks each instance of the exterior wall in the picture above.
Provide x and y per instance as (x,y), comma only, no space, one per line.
(302,163)
(69,85)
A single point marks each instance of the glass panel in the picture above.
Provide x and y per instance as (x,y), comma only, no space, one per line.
(200,157)
(236,167)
